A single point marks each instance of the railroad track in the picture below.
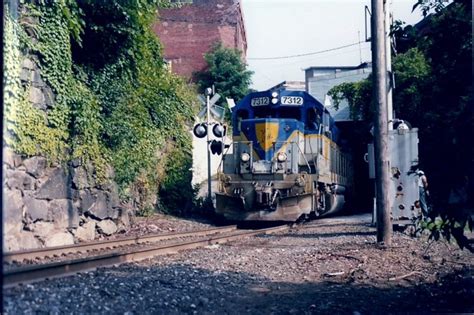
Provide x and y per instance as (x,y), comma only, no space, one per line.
(100,245)
(31,273)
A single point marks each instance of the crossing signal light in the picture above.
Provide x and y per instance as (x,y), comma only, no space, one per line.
(216,147)
(200,130)
(219,130)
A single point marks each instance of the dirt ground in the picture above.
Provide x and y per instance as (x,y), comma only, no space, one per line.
(325,266)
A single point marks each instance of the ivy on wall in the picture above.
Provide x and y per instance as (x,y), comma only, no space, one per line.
(115,101)
(29,130)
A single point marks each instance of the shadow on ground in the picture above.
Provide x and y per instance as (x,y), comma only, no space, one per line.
(182,288)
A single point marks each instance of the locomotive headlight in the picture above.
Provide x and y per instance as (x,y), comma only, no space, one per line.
(274,98)
(281,157)
(245,157)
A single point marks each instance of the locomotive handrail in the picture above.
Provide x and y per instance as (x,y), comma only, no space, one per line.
(293,143)
(304,157)
(222,159)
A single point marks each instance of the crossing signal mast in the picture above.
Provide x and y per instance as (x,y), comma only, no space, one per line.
(219,130)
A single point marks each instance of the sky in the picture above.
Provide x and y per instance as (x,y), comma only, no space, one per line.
(276,28)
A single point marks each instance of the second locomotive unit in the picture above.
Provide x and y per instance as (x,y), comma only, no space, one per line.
(285,161)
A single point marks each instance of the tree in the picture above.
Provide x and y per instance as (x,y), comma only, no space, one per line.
(433,92)
(226,71)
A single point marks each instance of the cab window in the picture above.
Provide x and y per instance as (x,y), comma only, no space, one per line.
(313,119)
(291,113)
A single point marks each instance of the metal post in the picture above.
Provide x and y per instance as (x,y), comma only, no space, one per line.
(388,52)
(209,195)
(384,225)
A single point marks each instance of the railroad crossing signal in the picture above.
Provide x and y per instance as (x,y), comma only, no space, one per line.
(217,147)
(200,130)
(216,111)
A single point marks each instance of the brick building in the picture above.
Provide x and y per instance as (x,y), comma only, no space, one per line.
(189,32)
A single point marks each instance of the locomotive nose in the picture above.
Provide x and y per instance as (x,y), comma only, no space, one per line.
(267,134)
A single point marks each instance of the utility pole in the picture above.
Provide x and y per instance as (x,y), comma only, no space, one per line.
(379,62)
(388,53)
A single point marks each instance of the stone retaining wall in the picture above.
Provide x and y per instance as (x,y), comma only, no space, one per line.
(51,205)
(56,205)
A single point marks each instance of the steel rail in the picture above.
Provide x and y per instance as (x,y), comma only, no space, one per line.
(84,247)
(39,272)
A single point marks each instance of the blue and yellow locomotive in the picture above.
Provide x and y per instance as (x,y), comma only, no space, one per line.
(285,161)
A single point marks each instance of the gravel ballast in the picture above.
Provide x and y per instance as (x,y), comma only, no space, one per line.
(326,266)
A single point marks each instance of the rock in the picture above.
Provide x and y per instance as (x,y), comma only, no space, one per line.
(110,172)
(100,207)
(113,213)
(11,158)
(86,232)
(19,180)
(10,243)
(36,79)
(36,209)
(87,200)
(79,178)
(25,75)
(28,241)
(36,96)
(48,96)
(114,196)
(29,183)
(42,229)
(64,213)
(35,165)
(59,239)
(58,186)
(123,221)
(21,241)
(124,217)
(28,64)
(106,227)
(12,211)
(76,162)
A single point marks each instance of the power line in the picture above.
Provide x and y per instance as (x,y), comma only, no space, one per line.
(307,54)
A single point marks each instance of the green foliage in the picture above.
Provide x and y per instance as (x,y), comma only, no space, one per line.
(432,92)
(412,72)
(226,71)
(30,133)
(176,191)
(30,130)
(146,211)
(429,5)
(115,102)
(358,95)
(144,107)
(76,111)
(12,90)
(113,28)
(448,227)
